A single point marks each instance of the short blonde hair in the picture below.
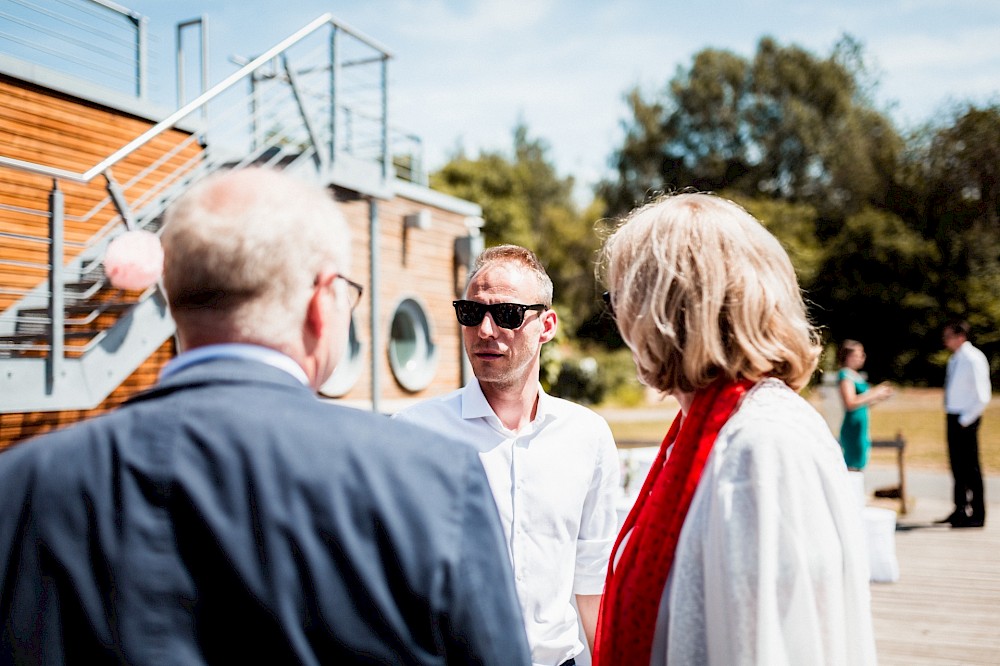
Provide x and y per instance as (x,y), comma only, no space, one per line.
(517,256)
(243,248)
(701,290)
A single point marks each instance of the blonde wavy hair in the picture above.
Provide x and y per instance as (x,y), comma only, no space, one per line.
(701,290)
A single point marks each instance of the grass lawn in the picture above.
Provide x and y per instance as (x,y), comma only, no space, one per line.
(915,412)
(919,415)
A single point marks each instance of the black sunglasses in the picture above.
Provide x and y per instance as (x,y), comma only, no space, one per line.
(506,315)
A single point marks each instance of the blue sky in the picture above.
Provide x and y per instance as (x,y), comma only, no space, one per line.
(464,73)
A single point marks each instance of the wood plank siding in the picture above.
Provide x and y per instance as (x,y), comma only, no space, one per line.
(15,426)
(417,264)
(56,130)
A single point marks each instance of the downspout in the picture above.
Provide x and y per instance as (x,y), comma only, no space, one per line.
(467,250)
(376,288)
(57,302)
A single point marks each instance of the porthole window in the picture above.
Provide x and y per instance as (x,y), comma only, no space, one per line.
(349,368)
(412,354)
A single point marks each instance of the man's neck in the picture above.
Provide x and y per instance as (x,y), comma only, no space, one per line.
(514,406)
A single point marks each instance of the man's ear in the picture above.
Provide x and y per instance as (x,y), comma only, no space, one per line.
(550,322)
(317,314)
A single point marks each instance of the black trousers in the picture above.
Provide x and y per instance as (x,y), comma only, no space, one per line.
(963,454)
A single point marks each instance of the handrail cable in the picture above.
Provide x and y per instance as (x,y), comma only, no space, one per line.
(186,110)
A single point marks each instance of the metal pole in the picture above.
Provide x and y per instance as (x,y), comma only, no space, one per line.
(386,156)
(334,79)
(57,304)
(202,23)
(204,66)
(141,57)
(255,137)
(180,63)
(376,344)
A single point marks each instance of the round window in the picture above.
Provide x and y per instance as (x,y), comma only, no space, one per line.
(348,369)
(412,353)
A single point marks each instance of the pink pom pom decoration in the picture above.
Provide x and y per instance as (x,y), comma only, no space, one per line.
(134,260)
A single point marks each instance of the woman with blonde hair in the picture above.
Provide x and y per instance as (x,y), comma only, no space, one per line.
(745,545)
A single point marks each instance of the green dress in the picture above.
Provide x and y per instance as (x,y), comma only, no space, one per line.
(855,439)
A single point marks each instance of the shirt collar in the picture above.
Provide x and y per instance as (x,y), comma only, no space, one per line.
(271,357)
(475,405)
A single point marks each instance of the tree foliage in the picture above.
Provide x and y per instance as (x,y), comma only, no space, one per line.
(527,203)
(871,289)
(890,235)
(784,125)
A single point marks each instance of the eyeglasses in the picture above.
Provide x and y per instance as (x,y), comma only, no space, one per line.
(506,315)
(354,290)
(607,303)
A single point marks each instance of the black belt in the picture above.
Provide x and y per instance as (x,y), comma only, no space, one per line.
(569,662)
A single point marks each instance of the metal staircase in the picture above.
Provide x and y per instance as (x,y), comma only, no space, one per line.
(315,103)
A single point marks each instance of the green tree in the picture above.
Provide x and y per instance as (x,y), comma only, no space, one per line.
(526,202)
(491,181)
(786,125)
(951,179)
(794,225)
(873,288)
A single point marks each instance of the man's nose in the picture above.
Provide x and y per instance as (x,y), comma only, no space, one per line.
(488,327)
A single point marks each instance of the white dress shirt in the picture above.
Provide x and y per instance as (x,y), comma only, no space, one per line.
(556,484)
(771,566)
(967,389)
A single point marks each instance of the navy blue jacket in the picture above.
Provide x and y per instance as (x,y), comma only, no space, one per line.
(227,516)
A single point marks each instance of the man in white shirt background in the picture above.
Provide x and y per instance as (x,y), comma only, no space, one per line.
(967,392)
(552,465)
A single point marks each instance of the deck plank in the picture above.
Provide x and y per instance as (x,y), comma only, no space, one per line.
(945,607)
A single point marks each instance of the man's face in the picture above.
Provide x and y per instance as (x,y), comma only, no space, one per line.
(501,357)
(952,340)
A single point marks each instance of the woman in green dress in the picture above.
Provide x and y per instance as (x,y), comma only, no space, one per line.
(857,395)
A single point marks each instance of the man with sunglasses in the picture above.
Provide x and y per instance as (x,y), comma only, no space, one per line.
(228,515)
(552,465)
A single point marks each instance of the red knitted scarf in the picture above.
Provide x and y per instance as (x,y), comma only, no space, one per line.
(634,587)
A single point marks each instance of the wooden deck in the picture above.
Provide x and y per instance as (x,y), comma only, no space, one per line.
(945,608)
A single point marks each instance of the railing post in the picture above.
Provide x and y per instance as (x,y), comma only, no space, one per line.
(320,159)
(255,137)
(204,67)
(57,304)
(118,199)
(141,57)
(334,80)
(386,152)
(202,23)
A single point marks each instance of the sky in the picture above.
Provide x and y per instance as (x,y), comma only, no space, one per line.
(464,73)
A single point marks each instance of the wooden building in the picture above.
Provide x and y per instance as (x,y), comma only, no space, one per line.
(82,162)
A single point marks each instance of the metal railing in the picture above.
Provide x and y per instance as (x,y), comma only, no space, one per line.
(96,40)
(317,100)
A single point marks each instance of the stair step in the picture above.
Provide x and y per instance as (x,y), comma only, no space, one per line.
(83,288)
(15,338)
(76,309)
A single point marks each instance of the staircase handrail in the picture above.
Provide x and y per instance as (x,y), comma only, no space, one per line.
(170,121)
